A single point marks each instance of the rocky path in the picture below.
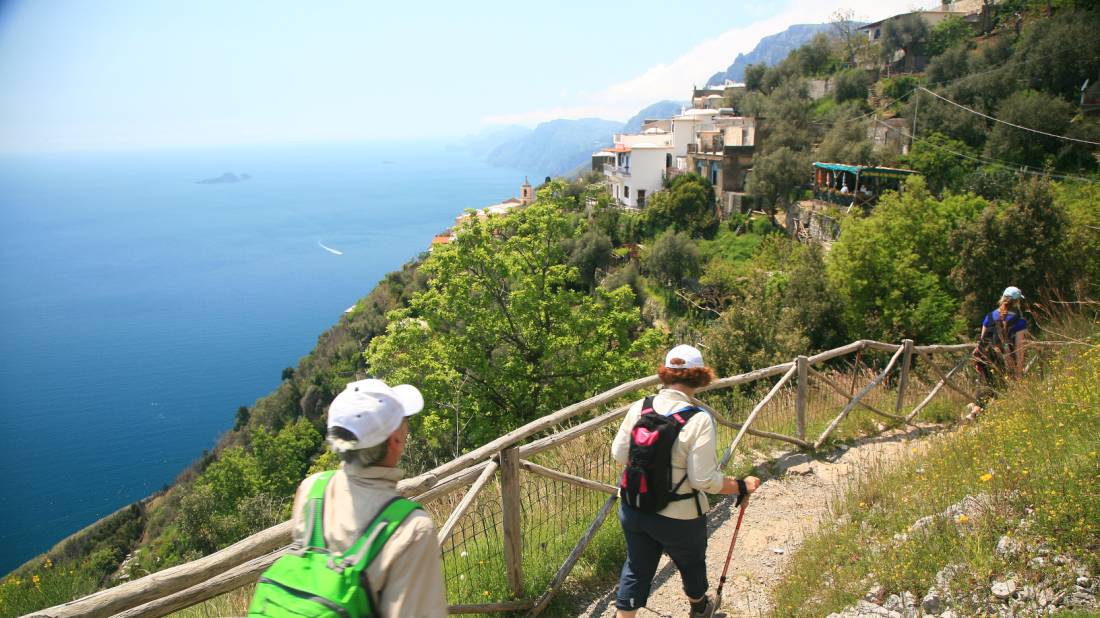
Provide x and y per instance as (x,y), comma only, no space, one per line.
(788,506)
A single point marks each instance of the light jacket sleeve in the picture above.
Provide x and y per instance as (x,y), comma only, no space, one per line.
(620,446)
(414,578)
(702,459)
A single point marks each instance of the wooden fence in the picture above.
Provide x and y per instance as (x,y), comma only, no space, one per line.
(515,515)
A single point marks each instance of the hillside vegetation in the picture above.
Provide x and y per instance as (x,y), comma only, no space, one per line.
(1014,498)
(526,313)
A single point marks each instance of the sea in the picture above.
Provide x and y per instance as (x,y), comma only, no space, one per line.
(139,309)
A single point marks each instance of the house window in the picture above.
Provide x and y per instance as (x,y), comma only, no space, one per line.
(626,192)
(668,160)
(641,198)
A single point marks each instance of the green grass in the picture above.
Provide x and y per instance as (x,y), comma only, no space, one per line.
(1036,448)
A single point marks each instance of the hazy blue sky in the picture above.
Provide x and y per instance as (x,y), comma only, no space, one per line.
(84,74)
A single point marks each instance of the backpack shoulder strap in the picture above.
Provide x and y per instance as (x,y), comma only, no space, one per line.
(313,510)
(647,405)
(683,415)
(364,550)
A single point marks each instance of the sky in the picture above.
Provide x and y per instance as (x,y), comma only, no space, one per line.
(139,74)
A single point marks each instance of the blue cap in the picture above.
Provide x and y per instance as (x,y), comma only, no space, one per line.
(1013,293)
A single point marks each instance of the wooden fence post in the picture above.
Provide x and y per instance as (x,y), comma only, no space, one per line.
(803,390)
(510,497)
(903,382)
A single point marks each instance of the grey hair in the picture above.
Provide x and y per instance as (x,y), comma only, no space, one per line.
(341,438)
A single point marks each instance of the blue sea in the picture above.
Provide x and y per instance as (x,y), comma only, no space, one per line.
(139,309)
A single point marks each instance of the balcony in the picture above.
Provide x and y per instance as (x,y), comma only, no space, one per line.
(610,169)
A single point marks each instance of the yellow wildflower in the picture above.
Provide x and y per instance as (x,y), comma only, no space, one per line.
(963,519)
(986,477)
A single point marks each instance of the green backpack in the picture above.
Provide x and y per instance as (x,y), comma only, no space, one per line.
(314,581)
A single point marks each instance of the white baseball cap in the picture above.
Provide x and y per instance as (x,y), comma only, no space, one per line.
(1013,292)
(684,357)
(372,411)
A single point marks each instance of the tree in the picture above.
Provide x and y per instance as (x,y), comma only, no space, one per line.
(953,32)
(754,77)
(846,30)
(908,33)
(687,206)
(1021,243)
(933,157)
(1042,112)
(847,141)
(777,177)
(501,335)
(672,258)
(591,252)
(851,85)
(892,270)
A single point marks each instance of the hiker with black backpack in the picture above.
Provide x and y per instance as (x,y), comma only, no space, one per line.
(1000,351)
(359,548)
(668,445)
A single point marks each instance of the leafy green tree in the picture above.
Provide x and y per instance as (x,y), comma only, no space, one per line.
(933,157)
(950,33)
(778,177)
(672,258)
(754,76)
(847,141)
(851,85)
(1079,201)
(246,490)
(1042,60)
(592,251)
(687,206)
(1042,112)
(502,336)
(1021,243)
(908,33)
(892,269)
(950,64)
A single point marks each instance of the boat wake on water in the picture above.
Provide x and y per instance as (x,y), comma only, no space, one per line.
(329,249)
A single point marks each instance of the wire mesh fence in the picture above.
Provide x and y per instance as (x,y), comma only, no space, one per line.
(556,512)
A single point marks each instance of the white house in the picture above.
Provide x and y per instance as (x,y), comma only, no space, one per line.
(639,167)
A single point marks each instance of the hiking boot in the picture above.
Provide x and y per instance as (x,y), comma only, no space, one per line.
(707,610)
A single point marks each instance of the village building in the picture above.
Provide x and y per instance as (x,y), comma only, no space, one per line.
(722,153)
(527,196)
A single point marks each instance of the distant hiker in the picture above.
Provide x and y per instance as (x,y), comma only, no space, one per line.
(361,549)
(668,443)
(1000,351)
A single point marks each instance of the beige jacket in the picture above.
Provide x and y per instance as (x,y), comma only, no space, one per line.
(694,454)
(406,577)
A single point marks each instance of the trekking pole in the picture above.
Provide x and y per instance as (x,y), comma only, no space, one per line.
(729,554)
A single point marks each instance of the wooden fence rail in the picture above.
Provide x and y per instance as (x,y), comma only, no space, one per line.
(509,457)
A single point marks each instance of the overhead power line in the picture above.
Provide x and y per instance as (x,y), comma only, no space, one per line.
(1015,167)
(1021,127)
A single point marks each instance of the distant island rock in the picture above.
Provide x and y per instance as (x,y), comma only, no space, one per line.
(225,178)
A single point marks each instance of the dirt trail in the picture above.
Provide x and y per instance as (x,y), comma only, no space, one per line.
(788,506)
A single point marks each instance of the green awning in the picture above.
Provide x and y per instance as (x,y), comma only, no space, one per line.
(865,170)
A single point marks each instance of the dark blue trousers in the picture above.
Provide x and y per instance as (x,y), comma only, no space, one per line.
(648,535)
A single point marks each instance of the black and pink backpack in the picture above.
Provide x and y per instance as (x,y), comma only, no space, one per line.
(646,483)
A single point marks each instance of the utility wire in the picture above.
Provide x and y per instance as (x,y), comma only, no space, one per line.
(1021,127)
(1015,167)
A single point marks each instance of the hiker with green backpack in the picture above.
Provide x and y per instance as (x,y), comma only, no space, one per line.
(668,446)
(360,549)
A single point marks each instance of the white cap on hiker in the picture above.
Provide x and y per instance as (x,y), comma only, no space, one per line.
(684,357)
(1013,293)
(372,410)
